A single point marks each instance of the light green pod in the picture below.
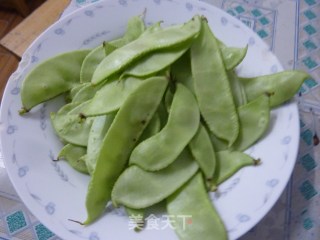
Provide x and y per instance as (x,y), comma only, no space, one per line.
(195,215)
(135,28)
(111,96)
(72,154)
(122,136)
(155,62)
(153,128)
(230,162)
(240,97)
(280,86)
(98,130)
(232,56)
(73,91)
(85,93)
(137,188)
(254,118)
(212,87)
(202,150)
(183,122)
(254,121)
(90,63)
(69,127)
(122,57)
(51,78)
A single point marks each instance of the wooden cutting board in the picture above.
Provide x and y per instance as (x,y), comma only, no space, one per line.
(19,38)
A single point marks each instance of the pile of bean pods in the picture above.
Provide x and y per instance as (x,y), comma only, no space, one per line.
(158,115)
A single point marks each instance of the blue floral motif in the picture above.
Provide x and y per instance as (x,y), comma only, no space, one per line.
(286,140)
(50,208)
(94,236)
(243,218)
(11,129)
(22,171)
(15,91)
(59,31)
(34,59)
(89,13)
(274,69)
(43,124)
(224,21)
(272,183)
(92,38)
(123,2)
(189,6)
(251,41)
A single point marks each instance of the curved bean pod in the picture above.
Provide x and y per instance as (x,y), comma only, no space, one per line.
(212,87)
(51,78)
(137,188)
(122,57)
(192,200)
(124,132)
(90,63)
(229,162)
(111,96)
(254,118)
(72,154)
(73,91)
(202,150)
(135,28)
(232,56)
(254,121)
(183,122)
(69,127)
(240,97)
(155,62)
(85,93)
(98,130)
(281,86)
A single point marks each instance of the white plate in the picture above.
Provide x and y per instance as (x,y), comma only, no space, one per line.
(55,193)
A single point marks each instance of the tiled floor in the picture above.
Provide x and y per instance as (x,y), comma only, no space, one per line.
(9,18)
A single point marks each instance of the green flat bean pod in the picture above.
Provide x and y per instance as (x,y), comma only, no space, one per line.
(203,152)
(154,63)
(212,87)
(232,56)
(230,162)
(111,96)
(183,122)
(73,154)
(280,86)
(192,200)
(122,57)
(137,188)
(254,121)
(90,63)
(240,97)
(85,93)
(51,78)
(135,28)
(69,127)
(73,91)
(124,132)
(98,130)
